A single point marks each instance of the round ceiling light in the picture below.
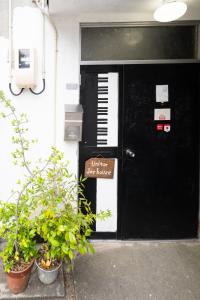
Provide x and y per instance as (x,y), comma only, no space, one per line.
(170,11)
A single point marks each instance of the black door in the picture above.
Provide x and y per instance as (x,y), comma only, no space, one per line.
(159,179)
(88,146)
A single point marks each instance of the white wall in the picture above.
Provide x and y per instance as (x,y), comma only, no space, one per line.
(47,117)
(40,109)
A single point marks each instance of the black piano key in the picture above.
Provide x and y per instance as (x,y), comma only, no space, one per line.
(102,123)
(102,88)
(102,110)
(102,114)
(100,129)
(102,78)
(101,143)
(103,101)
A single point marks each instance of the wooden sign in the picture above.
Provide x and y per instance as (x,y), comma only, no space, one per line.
(99,168)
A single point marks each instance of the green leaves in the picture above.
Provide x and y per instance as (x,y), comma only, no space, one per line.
(70,237)
(71,254)
(54,242)
(49,201)
(61,228)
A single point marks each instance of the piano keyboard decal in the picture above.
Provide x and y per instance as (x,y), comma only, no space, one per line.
(107,110)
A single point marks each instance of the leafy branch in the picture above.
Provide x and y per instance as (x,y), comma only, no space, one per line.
(19,155)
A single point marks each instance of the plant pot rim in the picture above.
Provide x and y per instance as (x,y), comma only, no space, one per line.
(18,272)
(48,271)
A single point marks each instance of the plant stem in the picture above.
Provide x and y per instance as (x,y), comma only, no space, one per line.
(17,204)
(17,216)
(22,146)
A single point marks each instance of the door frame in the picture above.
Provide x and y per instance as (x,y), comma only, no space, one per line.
(120,68)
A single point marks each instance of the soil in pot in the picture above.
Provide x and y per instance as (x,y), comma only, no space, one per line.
(48,276)
(18,278)
(48,268)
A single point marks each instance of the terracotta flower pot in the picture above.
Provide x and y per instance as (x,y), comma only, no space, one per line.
(18,281)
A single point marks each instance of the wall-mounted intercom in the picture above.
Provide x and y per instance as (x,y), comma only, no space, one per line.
(24,67)
(73,122)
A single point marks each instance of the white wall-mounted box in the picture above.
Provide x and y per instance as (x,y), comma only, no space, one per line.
(24,67)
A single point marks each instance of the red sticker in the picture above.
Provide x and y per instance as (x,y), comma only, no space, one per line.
(159,127)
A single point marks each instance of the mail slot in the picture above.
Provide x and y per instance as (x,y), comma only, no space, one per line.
(73,122)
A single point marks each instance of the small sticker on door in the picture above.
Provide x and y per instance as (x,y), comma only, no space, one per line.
(167,127)
(159,127)
(162,94)
(162,114)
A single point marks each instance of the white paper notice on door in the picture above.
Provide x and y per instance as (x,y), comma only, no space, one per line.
(162,93)
(162,114)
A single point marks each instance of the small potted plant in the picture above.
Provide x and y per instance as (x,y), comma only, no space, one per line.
(65,219)
(15,215)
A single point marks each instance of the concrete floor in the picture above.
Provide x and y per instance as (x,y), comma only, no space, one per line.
(127,271)
(139,271)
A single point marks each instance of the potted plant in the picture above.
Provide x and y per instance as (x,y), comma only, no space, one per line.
(65,219)
(51,203)
(15,215)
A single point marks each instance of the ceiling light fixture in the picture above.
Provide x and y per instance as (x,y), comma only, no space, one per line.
(170,11)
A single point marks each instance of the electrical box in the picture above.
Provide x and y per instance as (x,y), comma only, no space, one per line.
(24,68)
(73,122)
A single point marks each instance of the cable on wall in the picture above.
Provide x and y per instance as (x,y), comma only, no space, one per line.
(38,93)
(13,93)
(46,14)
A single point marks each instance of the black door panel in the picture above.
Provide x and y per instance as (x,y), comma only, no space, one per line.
(161,182)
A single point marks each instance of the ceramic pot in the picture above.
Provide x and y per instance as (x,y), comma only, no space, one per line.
(48,276)
(18,281)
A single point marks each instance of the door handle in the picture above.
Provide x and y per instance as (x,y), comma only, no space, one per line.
(130,153)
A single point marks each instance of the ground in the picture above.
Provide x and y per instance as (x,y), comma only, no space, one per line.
(131,271)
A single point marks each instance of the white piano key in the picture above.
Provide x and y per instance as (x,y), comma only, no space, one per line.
(102,125)
(102,84)
(101,117)
(102,96)
(100,75)
(103,105)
